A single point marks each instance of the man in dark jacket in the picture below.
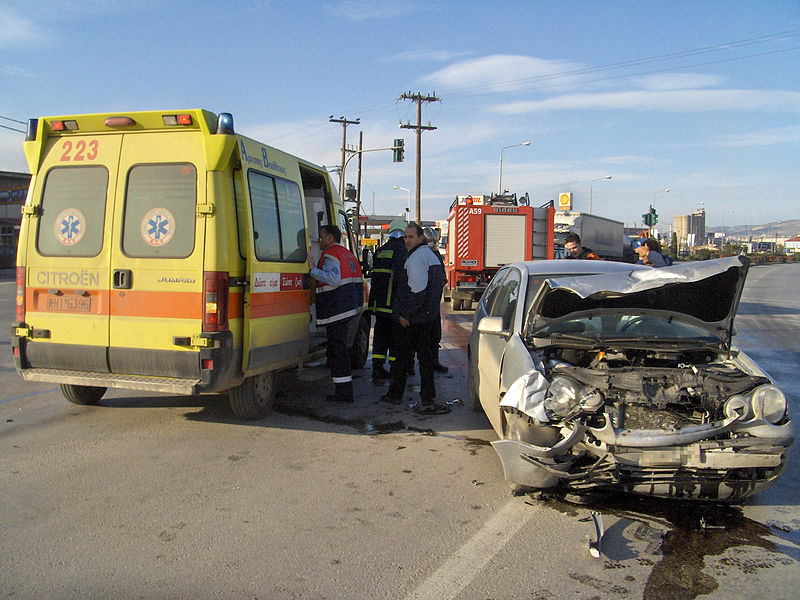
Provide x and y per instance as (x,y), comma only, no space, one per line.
(575,249)
(389,259)
(419,293)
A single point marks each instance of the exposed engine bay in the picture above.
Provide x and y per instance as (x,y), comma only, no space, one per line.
(663,422)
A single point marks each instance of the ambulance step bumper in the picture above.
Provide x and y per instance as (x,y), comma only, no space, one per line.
(170,385)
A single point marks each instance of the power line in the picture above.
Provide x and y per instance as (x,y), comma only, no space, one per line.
(13,120)
(13,129)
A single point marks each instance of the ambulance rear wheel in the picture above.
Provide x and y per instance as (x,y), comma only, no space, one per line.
(360,348)
(253,399)
(82,394)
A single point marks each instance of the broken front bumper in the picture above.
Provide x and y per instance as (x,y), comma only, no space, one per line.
(693,462)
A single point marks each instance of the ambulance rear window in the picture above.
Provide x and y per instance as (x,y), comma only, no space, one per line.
(160,211)
(73,211)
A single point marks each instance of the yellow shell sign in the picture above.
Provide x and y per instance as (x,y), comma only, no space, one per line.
(565,201)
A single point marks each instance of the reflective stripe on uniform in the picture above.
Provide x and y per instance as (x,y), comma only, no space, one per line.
(342,379)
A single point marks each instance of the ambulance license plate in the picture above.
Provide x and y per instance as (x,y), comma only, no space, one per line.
(70,304)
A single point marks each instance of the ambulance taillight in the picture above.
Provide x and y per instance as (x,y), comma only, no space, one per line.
(215,301)
(20,314)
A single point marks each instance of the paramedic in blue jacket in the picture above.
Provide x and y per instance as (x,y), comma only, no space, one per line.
(416,307)
(340,296)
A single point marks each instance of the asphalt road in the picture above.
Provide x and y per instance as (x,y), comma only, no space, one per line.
(153,496)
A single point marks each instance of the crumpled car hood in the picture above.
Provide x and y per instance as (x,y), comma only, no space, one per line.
(706,291)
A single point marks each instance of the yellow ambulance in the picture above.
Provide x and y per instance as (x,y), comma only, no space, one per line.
(162,251)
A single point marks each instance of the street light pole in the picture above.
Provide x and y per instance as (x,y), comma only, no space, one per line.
(590,190)
(500,177)
(408,210)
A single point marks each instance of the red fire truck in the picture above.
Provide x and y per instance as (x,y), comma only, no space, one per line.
(486,232)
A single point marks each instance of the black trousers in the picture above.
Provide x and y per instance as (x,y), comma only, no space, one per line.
(416,338)
(382,343)
(339,359)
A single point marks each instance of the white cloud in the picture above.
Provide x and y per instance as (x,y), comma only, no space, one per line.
(679,81)
(362,10)
(663,101)
(502,72)
(18,30)
(766,137)
(15,72)
(426,56)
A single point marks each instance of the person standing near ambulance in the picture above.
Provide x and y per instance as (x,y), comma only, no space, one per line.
(339,299)
(419,292)
(389,259)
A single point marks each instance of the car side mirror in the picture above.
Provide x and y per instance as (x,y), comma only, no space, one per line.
(493,326)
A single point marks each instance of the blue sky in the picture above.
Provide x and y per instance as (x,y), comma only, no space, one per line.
(698,97)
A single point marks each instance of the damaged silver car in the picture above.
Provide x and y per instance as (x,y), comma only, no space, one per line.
(625,380)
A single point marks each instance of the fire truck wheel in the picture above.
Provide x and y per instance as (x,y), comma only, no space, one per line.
(82,394)
(254,397)
(360,348)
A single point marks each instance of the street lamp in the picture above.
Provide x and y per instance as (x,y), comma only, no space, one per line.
(590,190)
(653,205)
(408,191)
(722,244)
(500,177)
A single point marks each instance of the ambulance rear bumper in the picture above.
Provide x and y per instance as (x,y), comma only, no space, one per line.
(168,385)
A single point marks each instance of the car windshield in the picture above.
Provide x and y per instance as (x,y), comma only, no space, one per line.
(625,326)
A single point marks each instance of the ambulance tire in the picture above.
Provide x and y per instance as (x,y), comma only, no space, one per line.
(82,394)
(360,348)
(254,397)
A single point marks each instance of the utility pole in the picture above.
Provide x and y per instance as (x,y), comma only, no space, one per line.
(344,123)
(358,189)
(419,99)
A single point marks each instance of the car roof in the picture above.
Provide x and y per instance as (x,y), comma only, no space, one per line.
(567,267)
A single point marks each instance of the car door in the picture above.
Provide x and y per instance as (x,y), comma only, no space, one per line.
(491,347)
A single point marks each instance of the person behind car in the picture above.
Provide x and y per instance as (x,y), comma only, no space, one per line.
(339,299)
(419,293)
(389,259)
(432,239)
(649,251)
(575,249)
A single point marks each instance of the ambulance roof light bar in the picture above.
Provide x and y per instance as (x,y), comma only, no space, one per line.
(225,124)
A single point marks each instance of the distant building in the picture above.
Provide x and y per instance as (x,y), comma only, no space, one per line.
(792,245)
(13,190)
(690,229)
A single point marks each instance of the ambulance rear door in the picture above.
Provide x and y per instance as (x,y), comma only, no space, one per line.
(66,253)
(156,274)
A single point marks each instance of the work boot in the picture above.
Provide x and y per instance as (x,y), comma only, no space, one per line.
(437,366)
(379,373)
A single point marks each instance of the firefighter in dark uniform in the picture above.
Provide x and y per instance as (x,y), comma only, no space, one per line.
(389,259)
(340,296)
(419,293)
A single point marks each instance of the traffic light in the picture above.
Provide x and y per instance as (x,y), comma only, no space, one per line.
(398,150)
(647,219)
(653,216)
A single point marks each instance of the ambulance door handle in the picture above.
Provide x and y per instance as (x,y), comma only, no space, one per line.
(122,279)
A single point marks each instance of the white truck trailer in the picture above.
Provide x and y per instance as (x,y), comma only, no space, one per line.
(604,236)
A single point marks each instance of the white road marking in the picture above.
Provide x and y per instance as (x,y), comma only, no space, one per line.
(458,571)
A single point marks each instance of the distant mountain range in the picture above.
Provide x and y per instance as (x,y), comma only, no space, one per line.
(787,229)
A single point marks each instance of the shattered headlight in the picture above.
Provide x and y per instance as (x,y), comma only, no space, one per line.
(567,398)
(769,404)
